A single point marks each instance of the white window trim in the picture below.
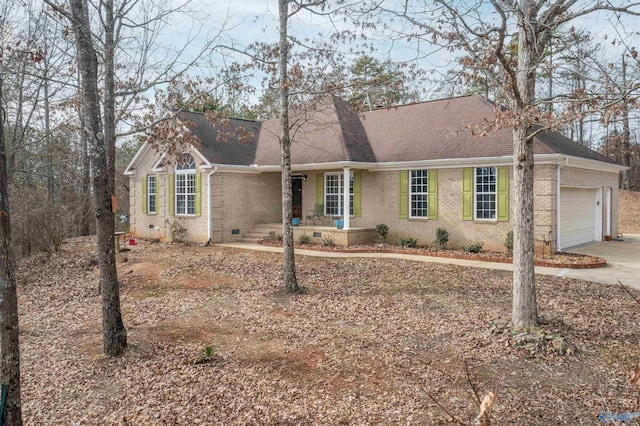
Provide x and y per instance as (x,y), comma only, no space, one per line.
(411,216)
(154,194)
(340,194)
(186,173)
(475,198)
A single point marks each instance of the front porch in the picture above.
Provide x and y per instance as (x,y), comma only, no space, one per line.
(341,237)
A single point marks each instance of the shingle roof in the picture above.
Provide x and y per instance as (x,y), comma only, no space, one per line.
(331,131)
(442,129)
(328,131)
(229,141)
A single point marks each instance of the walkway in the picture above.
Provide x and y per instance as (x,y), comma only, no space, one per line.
(413,257)
(623,260)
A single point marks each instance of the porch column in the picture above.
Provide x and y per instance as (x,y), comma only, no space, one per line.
(346,201)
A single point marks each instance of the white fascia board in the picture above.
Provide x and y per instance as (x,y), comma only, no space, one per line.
(207,164)
(232,168)
(157,167)
(446,163)
(601,166)
(134,161)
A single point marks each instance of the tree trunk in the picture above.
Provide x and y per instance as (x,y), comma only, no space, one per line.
(626,132)
(84,227)
(47,132)
(525,311)
(109,94)
(114,333)
(289,265)
(9,345)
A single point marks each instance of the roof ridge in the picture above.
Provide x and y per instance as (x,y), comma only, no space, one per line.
(235,118)
(425,102)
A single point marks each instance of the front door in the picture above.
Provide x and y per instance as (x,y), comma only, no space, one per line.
(296,184)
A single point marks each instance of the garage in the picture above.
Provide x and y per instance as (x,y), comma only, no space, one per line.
(580,216)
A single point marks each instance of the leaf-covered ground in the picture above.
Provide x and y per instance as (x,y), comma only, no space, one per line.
(629,206)
(372,342)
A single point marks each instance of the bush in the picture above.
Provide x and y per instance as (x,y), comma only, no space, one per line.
(304,239)
(408,242)
(442,238)
(177,231)
(508,243)
(328,242)
(381,232)
(472,248)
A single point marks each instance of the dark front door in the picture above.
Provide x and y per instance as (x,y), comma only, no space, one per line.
(296,183)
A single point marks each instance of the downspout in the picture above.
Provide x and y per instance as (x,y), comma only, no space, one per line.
(558,167)
(209,215)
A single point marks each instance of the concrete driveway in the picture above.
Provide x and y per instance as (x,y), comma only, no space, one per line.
(623,262)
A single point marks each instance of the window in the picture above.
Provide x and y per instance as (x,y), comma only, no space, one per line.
(419,194)
(186,186)
(151,194)
(334,194)
(485,193)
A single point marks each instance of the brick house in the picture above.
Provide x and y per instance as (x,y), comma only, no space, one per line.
(415,168)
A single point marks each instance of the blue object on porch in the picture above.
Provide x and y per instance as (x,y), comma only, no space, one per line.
(339,224)
(295,221)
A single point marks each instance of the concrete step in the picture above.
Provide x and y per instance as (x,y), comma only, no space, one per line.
(265,231)
(251,240)
(254,234)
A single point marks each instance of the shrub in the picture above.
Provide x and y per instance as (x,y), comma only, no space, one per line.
(472,248)
(508,243)
(304,239)
(328,242)
(442,238)
(408,242)
(177,231)
(381,232)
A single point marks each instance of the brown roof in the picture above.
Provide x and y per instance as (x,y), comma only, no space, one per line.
(443,129)
(229,141)
(331,131)
(328,131)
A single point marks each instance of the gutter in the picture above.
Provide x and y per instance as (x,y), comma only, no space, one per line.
(558,167)
(209,215)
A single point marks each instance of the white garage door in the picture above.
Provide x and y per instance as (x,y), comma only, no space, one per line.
(577,216)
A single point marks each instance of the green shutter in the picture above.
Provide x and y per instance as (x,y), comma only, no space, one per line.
(357,197)
(503,194)
(433,194)
(171,202)
(198,194)
(144,193)
(320,193)
(467,193)
(403,202)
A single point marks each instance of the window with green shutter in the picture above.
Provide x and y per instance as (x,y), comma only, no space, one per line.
(485,193)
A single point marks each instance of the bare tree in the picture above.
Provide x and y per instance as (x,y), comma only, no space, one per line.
(9,346)
(114,333)
(289,268)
